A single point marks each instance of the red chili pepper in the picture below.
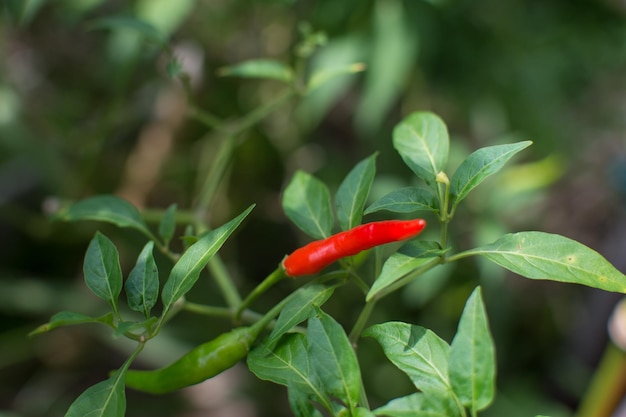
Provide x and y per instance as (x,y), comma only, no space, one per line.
(317,255)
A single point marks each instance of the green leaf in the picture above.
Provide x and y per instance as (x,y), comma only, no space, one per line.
(472,357)
(287,363)
(419,405)
(106,208)
(70,318)
(299,308)
(301,404)
(105,399)
(539,255)
(142,27)
(422,141)
(339,53)
(353,191)
(405,200)
(101,267)
(167,226)
(333,359)
(324,75)
(392,49)
(306,201)
(416,351)
(409,257)
(362,412)
(142,285)
(259,68)
(480,165)
(187,269)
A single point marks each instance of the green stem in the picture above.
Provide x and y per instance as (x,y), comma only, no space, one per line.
(444,202)
(260,113)
(223,280)
(361,321)
(267,283)
(460,255)
(247,317)
(607,385)
(221,312)
(360,283)
(443,239)
(167,314)
(206,118)
(213,179)
(155,216)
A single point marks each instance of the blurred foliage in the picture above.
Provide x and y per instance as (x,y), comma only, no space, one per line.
(85,97)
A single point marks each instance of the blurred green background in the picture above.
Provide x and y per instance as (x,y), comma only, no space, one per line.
(87,111)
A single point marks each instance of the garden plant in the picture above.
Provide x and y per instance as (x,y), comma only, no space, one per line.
(373,247)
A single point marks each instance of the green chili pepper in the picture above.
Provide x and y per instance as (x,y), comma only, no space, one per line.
(199,364)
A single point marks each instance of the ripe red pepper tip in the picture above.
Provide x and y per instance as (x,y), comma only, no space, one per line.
(318,254)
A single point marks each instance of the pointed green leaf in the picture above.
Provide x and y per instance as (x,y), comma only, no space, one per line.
(105,208)
(287,363)
(480,165)
(333,359)
(433,404)
(539,255)
(472,357)
(422,141)
(142,285)
(306,201)
(167,226)
(70,318)
(405,200)
(299,308)
(416,351)
(392,49)
(353,191)
(187,269)
(324,75)
(101,267)
(105,399)
(409,257)
(259,68)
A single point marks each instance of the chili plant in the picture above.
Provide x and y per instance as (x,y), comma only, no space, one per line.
(296,343)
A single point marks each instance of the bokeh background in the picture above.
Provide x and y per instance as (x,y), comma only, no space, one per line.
(87,111)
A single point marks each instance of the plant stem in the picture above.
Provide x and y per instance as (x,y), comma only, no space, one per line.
(212,311)
(361,321)
(260,113)
(155,216)
(607,385)
(267,283)
(224,281)
(213,179)
(460,255)
(206,118)
(444,202)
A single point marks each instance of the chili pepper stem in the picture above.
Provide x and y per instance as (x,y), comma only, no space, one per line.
(361,321)
(444,202)
(267,283)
